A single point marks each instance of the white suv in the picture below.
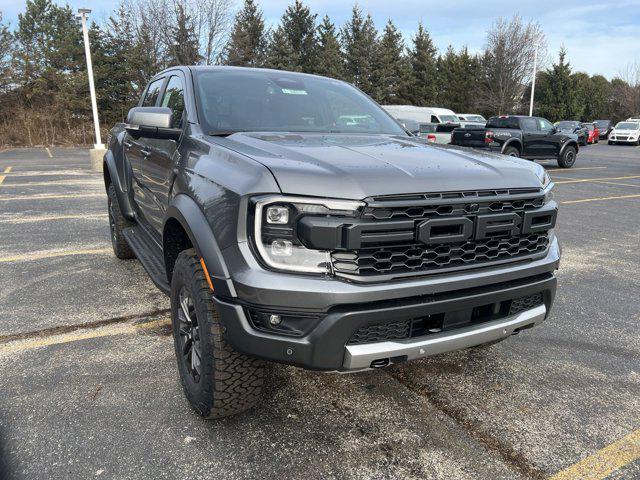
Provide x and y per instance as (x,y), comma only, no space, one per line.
(625,132)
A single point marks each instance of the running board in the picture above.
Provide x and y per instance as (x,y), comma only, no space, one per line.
(149,254)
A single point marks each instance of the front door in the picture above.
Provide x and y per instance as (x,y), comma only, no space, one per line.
(532,138)
(158,166)
(550,146)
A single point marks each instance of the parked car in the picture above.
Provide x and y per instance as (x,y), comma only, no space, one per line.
(283,235)
(436,132)
(519,136)
(604,128)
(625,132)
(571,126)
(593,134)
(633,119)
(471,117)
(422,114)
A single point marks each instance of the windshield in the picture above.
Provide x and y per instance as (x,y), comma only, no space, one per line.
(427,128)
(449,118)
(628,126)
(589,127)
(475,118)
(602,123)
(567,125)
(248,100)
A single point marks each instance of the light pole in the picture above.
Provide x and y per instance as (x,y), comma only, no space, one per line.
(533,81)
(98,148)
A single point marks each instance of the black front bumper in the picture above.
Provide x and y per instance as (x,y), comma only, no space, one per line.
(324,346)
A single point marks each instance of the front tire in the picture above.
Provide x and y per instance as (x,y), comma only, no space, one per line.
(568,158)
(217,380)
(117,223)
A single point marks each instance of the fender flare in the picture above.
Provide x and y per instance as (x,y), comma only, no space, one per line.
(570,143)
(109,166)
(187,212)
(510,142)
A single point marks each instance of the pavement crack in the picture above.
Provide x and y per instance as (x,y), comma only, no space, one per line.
(49,332)
(506,452)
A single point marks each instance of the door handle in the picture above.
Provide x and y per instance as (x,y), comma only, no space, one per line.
(145,152)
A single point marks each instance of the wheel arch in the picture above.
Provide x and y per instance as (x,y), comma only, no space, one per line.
(111,177)
(569,143)
(512,142)
(186,226)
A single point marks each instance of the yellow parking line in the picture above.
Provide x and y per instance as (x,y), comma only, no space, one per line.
(47,218)
(107,331)
(48,197)
(59,182)
(599,198)
(53,254)
(8,170)
(618,183)
(2,177)
(574,169)
(582,180)
(604,462)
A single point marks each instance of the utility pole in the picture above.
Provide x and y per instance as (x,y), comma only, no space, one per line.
(98,149)
(533,81)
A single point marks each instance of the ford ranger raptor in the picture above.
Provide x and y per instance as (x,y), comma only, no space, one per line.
(290,219)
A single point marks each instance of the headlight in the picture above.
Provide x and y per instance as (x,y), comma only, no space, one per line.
(543,176)
(274,231)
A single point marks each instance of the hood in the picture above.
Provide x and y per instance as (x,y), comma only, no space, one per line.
(359,166)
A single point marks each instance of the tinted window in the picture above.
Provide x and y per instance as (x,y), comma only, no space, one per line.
(234,100)
(434,119)
(174,99)
(426,128)
(529,124)
(153,91)
(503,122)
(567,125)
(602,123)
(545,125)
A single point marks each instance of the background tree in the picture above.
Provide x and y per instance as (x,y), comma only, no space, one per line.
(507,63)
(247,43)
(424,74)
(296,35)
(558,97)
(6,49)
(458,77)
(184,48)
(359,42)
(330,61)
(392,71)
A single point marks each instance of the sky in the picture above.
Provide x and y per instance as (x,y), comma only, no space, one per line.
(601,37)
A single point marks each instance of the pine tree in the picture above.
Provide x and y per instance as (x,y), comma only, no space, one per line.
(359,42)
(424,79)
(184,47)
(392,70)
(6,50)
(280,55)
(296,37)
(458,75)
(247,43)
(557,97)
(330,62)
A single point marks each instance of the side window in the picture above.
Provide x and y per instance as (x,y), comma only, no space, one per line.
(434,119)
(152,93)
(529,125)
(174,99)
(545,125)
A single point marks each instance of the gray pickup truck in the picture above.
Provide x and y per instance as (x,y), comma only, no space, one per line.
(290,219)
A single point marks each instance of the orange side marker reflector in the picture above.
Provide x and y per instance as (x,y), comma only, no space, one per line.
(206,273)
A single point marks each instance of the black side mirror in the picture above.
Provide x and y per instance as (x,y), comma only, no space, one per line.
(152,122)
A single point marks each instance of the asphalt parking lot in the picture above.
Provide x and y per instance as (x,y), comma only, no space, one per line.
(89,386)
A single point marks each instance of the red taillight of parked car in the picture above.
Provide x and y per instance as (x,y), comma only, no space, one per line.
(431,138)
(488,137)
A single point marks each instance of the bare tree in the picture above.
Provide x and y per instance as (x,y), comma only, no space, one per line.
(213,19)
(507,63)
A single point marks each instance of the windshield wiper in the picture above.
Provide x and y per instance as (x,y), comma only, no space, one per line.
(224,133)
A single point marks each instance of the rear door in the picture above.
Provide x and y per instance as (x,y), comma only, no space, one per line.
(137,149)
(157,168)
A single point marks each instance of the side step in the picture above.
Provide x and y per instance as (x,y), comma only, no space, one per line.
(149,254)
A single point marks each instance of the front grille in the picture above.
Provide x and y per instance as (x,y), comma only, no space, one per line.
(415,257)
(419,257)
(436,323)
(525,303)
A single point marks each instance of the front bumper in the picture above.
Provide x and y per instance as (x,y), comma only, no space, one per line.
(343,307)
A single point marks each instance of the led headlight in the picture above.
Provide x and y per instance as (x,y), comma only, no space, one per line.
(274,231)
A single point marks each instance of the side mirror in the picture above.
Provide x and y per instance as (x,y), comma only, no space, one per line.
(152,122)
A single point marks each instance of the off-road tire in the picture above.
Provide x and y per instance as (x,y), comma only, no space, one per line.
(511,152)
(568,157)
(117,223)
(230,382)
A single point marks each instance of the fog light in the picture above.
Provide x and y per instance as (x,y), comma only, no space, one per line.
(278,215)
(275,320)
(281,248)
